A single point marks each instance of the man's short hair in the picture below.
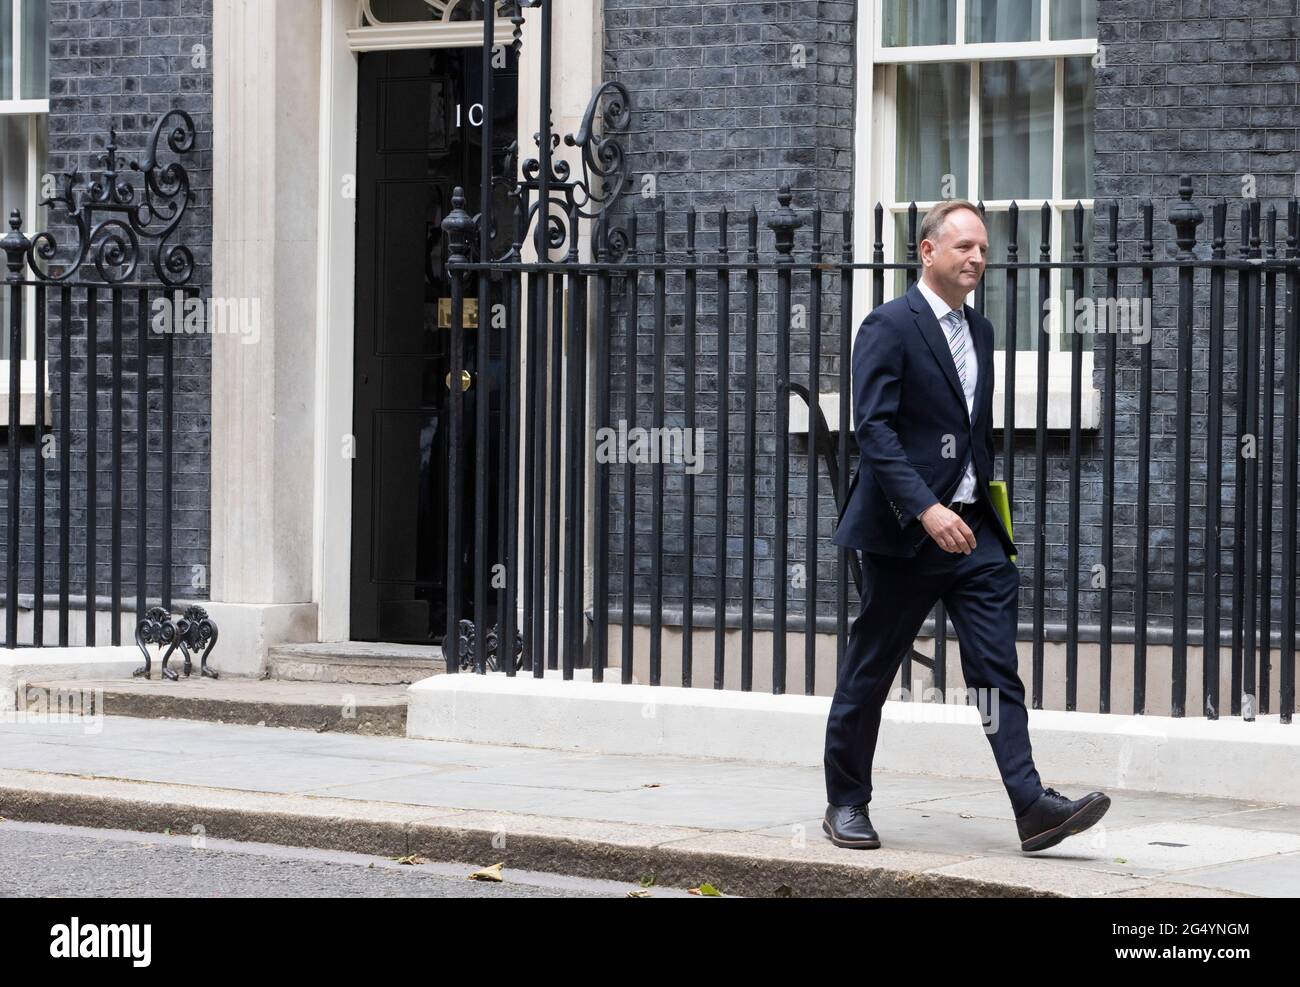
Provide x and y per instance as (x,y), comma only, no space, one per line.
(934,219)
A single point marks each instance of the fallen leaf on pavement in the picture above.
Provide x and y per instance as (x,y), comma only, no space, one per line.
(708,890)
(492,873)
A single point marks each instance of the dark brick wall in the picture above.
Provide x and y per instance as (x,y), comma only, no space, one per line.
(731,100)
(725,112)
(124,63)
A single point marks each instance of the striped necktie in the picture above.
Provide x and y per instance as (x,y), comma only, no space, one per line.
(957,343)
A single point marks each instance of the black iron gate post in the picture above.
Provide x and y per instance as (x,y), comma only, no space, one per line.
(783,225)
(15,246)
(1185,218)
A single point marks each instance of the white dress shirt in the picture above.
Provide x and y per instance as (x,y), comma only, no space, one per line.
(966,489)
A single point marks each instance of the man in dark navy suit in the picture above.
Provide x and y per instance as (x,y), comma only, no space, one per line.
(919,509)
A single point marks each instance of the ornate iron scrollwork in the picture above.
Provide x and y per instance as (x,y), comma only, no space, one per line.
(194,632)
(110,219)
(468,644)
(605,168)
(605,178)
(605,175)
(156,628)
(605,172)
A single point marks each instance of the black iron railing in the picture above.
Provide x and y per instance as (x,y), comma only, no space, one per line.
(110,289)
(639,538)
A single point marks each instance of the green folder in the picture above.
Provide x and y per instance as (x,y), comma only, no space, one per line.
(998,491)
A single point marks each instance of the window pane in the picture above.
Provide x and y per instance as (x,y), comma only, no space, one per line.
(1029,230)
(933,132)
(1016,103)
(7,49)
(36,80)
(1074,19)
(1079,103)
(920,22)
(13,163)
(397,11)
(394,11)
(1002,20)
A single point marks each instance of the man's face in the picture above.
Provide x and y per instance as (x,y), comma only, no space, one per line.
(955,260)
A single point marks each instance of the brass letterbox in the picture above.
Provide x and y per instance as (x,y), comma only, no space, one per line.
(469,310)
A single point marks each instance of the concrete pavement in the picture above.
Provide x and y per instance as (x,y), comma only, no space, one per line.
(749,828)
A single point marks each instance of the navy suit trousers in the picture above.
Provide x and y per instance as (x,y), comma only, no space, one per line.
(980,592)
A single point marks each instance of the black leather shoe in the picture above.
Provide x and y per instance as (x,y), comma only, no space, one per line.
(1054,817)
(850,826)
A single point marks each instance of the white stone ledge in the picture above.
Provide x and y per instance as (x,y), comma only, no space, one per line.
(30,395)
(1059,393)
(20,666)
(1228,758)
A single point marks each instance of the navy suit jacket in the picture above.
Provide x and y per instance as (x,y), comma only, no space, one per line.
(907,402)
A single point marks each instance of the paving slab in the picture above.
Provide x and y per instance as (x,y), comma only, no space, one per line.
(754,826)
(1270,877)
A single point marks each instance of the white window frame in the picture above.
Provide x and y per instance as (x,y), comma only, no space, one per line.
(33,110)
(874,181)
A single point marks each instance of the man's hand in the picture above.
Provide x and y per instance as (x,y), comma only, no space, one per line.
(948,529)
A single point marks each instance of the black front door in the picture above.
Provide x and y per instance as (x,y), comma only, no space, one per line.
(419,135)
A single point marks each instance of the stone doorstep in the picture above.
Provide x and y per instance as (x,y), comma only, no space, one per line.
(739,863)
(375,710)
(365,662)
(354,662)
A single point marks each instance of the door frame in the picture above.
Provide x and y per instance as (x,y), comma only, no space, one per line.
(578,50)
